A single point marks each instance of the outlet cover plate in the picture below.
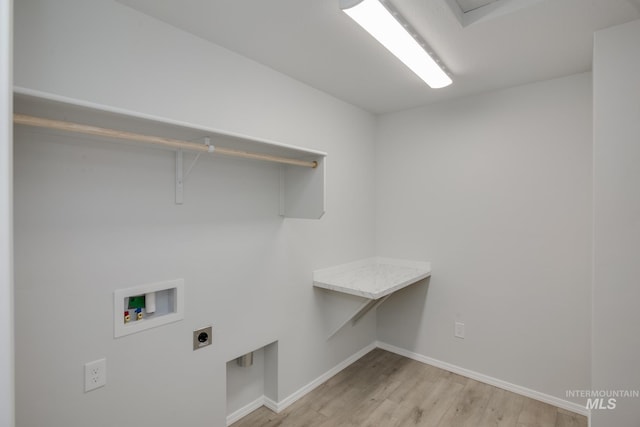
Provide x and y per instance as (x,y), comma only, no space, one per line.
(459,330)
(95,374)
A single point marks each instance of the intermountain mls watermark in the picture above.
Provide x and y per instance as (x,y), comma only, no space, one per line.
(603,399)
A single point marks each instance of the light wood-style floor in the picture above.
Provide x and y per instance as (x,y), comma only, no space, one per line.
(383,389)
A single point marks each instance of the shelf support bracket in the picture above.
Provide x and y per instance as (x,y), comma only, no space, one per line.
(360,312)
(281,193)
(207,142)
(179,176)
(372,305)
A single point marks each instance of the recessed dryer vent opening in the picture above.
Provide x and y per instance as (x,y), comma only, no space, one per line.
(246,360)
(252,382)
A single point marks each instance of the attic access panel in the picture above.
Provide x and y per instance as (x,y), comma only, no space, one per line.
(469,5)
(471,11)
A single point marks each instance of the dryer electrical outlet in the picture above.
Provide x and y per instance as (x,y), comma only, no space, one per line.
(202,337)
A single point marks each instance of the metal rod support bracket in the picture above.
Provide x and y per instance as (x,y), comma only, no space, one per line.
(179,176)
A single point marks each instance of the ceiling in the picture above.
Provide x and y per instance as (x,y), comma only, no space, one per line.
(502,44)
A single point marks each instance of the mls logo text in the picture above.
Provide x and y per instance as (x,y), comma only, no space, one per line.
(603,399)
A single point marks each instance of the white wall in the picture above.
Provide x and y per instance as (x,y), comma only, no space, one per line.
(92,217)
(6,229)
(616,343)
(494,190)
(245,383)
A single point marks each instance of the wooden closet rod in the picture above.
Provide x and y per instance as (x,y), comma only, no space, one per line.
(23,119)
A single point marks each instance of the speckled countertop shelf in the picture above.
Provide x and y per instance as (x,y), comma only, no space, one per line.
(372,278)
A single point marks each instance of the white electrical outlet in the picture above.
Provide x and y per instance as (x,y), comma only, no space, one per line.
(459,330)
(95,374)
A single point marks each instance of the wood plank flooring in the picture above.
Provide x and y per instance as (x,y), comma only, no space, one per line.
(383,389)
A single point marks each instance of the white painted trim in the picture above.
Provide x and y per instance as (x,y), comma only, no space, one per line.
(542,397)
(278,407)
(33,93)
(7,363)
(271,404)
(245,410)
(288,401)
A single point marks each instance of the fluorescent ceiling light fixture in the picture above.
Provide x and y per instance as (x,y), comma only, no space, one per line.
(385,26)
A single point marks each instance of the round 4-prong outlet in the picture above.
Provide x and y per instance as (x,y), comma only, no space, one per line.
(202,337)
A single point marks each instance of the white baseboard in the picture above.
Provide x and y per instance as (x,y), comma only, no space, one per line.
(271,404)
(292,398)
(245,410)
(542,397)
(286,402)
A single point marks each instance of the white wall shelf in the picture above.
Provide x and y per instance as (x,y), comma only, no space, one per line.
(302,189)
(373,279)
